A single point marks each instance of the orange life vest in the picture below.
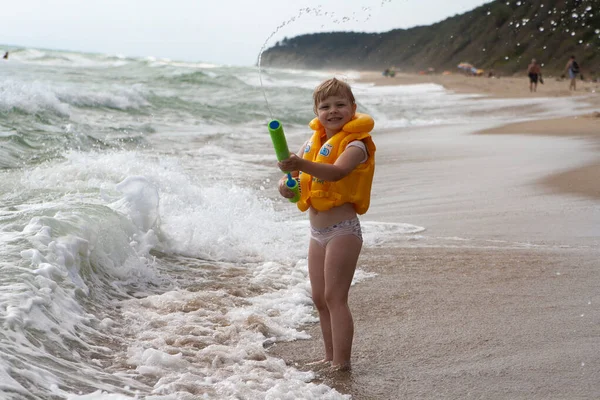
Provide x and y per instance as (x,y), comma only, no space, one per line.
(354,188)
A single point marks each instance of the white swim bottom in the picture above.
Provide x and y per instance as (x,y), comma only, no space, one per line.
(347,227)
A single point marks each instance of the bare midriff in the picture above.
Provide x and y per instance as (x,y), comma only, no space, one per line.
(323,219)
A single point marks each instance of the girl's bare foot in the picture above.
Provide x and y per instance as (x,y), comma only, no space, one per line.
(345,367)
(318,363)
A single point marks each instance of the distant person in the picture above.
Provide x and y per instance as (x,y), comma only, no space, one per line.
(572,69)
(534,70)
(5,56)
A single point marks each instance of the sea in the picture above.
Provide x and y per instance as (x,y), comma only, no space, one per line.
(144,250)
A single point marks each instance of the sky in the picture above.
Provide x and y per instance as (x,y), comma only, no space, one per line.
(225,32)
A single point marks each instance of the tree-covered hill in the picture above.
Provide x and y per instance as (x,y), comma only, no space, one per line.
(501,35)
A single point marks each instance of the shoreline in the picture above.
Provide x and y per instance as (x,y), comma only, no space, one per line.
(503,87)
(584,180)
(501,315)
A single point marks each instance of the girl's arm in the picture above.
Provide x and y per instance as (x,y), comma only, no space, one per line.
(346,162)
(295,172)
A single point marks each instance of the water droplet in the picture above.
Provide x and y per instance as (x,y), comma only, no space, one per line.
(541,29)
(506,58)
(574,15)
(573,33)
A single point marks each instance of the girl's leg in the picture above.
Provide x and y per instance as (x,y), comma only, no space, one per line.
(316,273)
(340,262)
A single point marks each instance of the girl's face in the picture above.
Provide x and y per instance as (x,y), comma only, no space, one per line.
(334,112)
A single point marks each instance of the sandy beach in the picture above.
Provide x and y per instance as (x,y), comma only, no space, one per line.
(497,298)
(499,87)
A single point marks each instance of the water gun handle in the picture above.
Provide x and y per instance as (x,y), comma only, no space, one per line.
(292,184)
(282,151)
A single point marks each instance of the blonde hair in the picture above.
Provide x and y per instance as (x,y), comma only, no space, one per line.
(332,87)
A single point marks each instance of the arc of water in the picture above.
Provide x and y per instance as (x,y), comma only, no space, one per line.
(306,10)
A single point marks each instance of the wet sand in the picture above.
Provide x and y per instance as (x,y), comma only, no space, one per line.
(459,323)
(497,298)
(583,180)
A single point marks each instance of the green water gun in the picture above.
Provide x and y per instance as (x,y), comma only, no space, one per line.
(283,153)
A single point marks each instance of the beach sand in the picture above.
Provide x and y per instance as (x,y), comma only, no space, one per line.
(498,297)
(499,87)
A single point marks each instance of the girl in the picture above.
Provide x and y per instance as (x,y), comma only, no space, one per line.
(336,172)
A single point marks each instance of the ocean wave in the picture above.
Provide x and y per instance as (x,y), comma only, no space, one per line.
(9,158)
(30,98)
(50,58)
(40,97)
(115,97)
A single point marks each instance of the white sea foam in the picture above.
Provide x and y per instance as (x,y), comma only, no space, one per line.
(160,206)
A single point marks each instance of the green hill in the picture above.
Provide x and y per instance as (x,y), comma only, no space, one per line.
(501,35)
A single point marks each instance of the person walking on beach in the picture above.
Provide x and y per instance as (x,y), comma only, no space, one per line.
(335,169)
(534,70)
(572,70)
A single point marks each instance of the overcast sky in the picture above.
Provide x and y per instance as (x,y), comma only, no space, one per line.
(218,31)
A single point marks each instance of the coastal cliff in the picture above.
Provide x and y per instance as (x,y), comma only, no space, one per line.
(501,35)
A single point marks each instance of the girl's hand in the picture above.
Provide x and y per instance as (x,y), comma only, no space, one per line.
(284,190)
(291,164)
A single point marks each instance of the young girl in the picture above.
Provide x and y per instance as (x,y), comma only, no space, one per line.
(336,172)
